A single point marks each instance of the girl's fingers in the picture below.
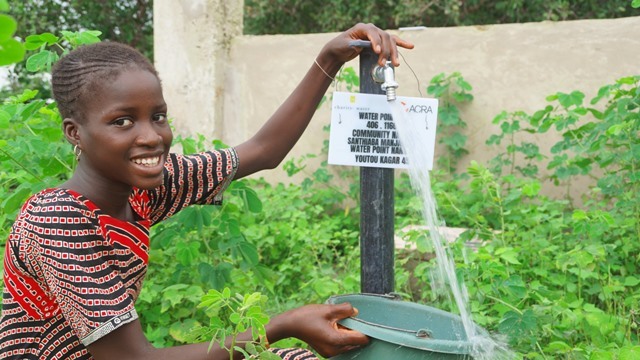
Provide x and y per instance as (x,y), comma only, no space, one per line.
(388,46)
(382,43)
(375,39)
(403,43)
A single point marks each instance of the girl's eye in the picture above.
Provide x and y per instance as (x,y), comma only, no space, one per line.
(122,122)
(160,117)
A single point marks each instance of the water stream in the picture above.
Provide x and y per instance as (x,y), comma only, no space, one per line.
(414,146)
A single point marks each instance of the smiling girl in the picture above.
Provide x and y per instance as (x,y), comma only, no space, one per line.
(77,253)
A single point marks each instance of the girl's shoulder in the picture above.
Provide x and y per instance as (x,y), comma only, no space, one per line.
(57,200)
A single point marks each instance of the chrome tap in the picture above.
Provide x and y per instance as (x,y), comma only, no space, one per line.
(386,75)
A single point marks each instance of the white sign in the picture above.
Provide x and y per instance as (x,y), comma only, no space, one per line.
(363,132)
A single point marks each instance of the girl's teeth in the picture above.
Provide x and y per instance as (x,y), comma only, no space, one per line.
(147,162)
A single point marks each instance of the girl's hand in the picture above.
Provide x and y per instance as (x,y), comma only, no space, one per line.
(317,325)
(382,43)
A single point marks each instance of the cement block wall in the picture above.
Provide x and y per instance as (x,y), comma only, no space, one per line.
(226,85)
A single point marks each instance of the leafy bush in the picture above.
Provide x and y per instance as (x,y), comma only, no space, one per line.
(558,280)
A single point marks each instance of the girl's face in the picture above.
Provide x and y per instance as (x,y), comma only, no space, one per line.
(125,136)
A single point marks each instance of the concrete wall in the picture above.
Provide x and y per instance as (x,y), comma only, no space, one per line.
(511,67)
(191,44)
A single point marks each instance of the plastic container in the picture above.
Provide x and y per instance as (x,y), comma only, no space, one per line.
(404,330)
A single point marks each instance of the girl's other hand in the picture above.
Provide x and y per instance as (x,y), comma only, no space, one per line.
(317,325)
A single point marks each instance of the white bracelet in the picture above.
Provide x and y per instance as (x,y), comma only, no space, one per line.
(329,76)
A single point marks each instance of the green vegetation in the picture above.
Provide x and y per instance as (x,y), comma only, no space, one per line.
(232,315)
(11,50)
(558,280)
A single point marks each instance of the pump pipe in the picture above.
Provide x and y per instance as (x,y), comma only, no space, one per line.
(376,203)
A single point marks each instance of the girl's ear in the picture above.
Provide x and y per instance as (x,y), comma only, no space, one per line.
(70,128)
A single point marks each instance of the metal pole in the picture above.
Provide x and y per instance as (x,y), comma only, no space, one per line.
(376,207)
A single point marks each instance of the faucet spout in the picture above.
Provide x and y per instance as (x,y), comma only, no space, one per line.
(386,75)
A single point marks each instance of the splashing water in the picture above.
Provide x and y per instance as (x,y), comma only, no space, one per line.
(414,147)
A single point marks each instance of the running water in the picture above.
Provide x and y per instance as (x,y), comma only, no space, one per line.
(484,347)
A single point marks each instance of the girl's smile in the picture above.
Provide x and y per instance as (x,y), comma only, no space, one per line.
(124,133)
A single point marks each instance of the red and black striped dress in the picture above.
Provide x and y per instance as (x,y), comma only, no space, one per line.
(72,274)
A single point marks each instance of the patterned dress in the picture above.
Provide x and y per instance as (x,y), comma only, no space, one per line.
(73,274)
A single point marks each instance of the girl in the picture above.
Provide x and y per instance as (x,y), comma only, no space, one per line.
(77,253)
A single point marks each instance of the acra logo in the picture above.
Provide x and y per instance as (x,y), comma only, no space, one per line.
(418,109)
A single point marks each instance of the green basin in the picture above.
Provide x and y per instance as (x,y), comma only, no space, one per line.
(404,330)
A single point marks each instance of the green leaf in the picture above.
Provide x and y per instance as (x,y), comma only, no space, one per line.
(516,325)
(464,85)
(80,38)
(235,318)
(26,96)
(4,119)
(241,327)
(209,275)
(15,200)
(4,5)
(34,42)
(579,215)
(180,330)
(211,299)
(49,38)
(249,252)
(253,299)
(267,355)
(38,61)
(11,51)
(253,201)
(558,346)
(631,281)
(509,255)
(89,37)
(635,4)
(251,348)
(226,293)
(573,99)
(41,61)
(8,27)
(516,286)
(187,252)
(188,146)
(500,118)
(601,355)
(456,141)
(629,353)
(449,115)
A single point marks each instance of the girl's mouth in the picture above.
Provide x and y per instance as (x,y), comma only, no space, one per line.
(149,162)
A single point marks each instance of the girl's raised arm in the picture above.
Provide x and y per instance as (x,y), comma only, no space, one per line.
(269,146)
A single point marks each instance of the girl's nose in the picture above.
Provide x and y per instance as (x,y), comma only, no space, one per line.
(148,135)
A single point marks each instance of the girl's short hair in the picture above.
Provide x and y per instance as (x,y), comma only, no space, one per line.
(80,72)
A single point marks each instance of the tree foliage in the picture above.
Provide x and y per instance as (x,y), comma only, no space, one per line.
(127,21)
(297,17)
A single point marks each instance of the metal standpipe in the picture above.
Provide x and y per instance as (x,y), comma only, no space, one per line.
(376,206)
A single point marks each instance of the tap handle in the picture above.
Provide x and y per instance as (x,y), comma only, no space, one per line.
(360,43)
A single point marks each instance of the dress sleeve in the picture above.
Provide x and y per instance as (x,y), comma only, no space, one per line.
(78,269)
(192,179)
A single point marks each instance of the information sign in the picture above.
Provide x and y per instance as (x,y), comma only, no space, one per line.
(363,132)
